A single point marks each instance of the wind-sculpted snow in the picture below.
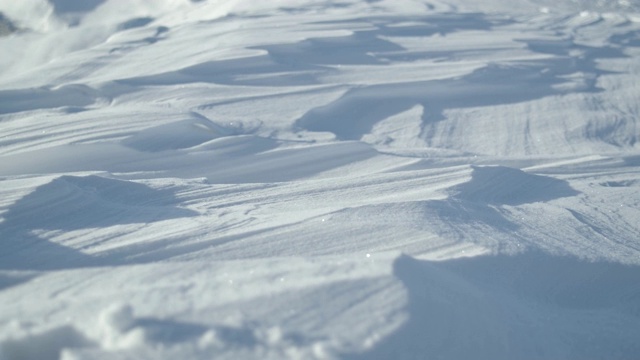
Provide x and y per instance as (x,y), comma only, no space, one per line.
(70,203)
(6,25)
(498,305)
(310,179)
(488,186)
(34,99)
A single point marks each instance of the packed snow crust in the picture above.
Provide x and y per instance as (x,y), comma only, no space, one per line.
(312,179)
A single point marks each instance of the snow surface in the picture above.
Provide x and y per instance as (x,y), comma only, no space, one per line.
(300,179)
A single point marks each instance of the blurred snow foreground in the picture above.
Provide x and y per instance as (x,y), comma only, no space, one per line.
(312,179)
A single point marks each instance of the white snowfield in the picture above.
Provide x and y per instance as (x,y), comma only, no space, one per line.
(315,179)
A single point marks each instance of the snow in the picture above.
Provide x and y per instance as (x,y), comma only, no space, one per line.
(309,179)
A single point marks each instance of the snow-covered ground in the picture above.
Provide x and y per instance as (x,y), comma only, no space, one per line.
(315,179)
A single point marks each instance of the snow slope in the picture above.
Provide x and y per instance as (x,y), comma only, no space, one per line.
(363,179)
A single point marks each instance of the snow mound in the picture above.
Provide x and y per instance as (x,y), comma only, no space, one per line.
(66,96)
(500,185)
(6,26)
(71,203)
(46,345)
(177,135)
(119,332)
(511,307)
